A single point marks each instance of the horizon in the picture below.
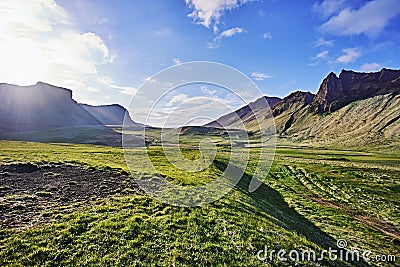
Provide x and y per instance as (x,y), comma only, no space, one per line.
(290,92)
(190,112)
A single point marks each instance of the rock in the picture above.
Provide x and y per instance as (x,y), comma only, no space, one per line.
(336,92)
(297,98)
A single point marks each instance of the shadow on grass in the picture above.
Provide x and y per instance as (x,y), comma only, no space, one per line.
(271,202)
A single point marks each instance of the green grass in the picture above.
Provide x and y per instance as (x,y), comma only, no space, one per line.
(310,198)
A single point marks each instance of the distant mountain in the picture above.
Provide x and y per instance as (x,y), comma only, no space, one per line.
(110,114)
(47,113)
(40,107)
(244,114)
(350,110)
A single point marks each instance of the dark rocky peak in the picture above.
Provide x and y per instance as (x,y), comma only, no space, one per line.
(336,92)
(257,105)
(298,99)
(300,96)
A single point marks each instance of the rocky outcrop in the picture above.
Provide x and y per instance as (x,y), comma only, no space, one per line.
(295,100)
(336,92)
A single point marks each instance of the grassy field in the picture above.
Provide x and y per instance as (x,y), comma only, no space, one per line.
(311,198)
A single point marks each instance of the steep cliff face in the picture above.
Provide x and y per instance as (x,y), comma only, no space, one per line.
(40,107)
(336,92)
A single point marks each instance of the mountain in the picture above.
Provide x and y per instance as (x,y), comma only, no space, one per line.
(110,114)
(287,111)
(40,107)
(244,114)
(350,110)
(47,113)
(336,92)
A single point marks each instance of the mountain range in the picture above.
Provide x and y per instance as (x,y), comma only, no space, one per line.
(47,113)
(351,109)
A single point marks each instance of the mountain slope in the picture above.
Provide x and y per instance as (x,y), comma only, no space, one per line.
(245,114)
(375,120)
(354,109)
(40,107)
(110,114)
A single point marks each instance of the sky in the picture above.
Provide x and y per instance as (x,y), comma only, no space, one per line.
(105,50)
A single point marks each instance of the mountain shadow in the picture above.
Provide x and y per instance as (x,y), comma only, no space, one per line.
(272,202)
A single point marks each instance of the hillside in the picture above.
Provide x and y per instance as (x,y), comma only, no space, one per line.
(245,114)
(40,107)
(110,114)
(47,113)
(353,109)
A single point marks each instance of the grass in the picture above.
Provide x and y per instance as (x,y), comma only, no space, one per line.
(310,198)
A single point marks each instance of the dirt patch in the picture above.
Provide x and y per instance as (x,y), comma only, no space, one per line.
(32,194)
(375,223)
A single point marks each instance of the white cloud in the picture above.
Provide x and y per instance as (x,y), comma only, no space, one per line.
(370,19)
(177,100)
(322,55)
(370,67)
(40,42)
(231,32)
(267,35)
(350,55)
(177,61)
(227,33)
(208,92)
(93,89)
(209,12)
(258,76)
(328,7)
(107,81)
(197,110)
(323,42)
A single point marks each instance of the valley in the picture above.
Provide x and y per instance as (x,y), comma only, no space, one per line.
(310,198)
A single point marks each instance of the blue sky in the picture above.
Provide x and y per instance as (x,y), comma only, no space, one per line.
(104,50)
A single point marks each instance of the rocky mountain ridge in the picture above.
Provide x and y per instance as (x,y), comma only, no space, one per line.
(350,109)
(336,92)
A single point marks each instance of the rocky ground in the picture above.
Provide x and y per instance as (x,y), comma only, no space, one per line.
(32,194)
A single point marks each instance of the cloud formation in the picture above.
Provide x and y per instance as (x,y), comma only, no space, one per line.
(328,7)
(322,55)
(322,42)
(227,33)
(267,35)
(258,76)
(209,12)
(40,42)
(370,19)
(350,55)
(370,67)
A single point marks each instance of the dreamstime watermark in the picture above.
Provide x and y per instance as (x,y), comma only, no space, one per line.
(333,254)
(189,94)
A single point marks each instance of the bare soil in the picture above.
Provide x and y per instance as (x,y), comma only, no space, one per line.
(32,194)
